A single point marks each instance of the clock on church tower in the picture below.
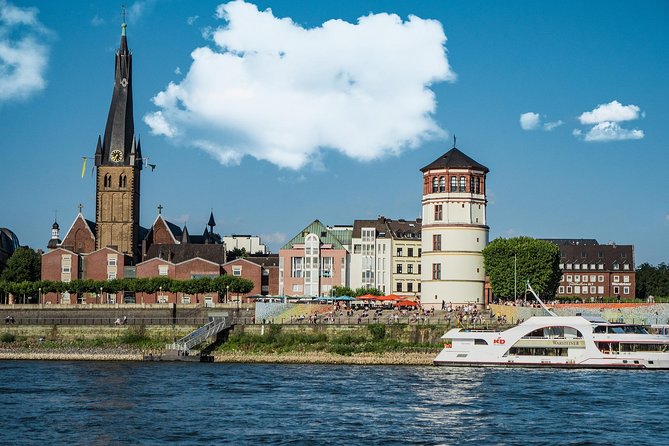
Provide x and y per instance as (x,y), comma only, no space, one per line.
(118,158)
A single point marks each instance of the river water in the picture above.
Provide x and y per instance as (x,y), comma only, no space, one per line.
(109,403)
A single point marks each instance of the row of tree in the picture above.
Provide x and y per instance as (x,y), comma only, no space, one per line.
(652,280)
(221,284)
(346,291)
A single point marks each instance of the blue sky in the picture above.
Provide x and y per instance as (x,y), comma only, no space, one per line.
(307,112)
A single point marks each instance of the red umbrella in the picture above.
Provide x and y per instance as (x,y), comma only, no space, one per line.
(406,303)
(367,297)
(391,297)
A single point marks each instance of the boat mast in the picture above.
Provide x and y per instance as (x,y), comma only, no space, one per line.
(529,287)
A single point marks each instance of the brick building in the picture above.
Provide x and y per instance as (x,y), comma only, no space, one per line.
(591,270)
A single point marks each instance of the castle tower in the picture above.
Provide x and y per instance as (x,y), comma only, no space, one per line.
(118,158)
(454,230)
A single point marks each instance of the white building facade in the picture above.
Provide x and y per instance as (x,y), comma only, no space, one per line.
(454,230)
(251,243)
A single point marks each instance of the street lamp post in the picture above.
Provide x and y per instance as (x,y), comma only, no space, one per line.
(227,293)
(100,294)
(161,293)
(515,274)
(40,295)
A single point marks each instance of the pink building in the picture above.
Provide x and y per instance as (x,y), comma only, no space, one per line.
(315,260)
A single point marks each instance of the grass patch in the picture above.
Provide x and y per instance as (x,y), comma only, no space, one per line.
(7,338)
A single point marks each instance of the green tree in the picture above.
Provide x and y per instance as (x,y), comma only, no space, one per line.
(237,253)
(24,265)
(535,260)
(652,280)
(341,291)
(363,291)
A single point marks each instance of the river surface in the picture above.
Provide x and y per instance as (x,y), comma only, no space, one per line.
(108,403)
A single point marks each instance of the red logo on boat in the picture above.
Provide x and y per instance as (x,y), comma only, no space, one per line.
(499,341)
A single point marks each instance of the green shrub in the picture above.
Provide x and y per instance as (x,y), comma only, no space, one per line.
(7,338)
(377,331)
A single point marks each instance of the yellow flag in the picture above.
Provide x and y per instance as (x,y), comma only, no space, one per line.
(83,168)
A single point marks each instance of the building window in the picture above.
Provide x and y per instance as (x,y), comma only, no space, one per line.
(616,279)
(577,278)
(442,184)
(111,276)
(327,266)
(478,185)
(185,299)
(162,270)
(568,265)
(410,268)
(436,242)
(435,185)
(600,278)
(616,267)
(410,287)
(569,289)
(626,279)
(561,266)
(626,267)
(471,185)
(237,271)
(600,290)
(616,290)
(438,212)
(592,266)
(296,266)
(399,268)
(593,278)
(600,266)
(111,260)
(585,277)
(107,181)
(561,290)
(585,266)
(399,287)
(463,184)
(593,290)
(577,266)
(569,278)
(454,184)
(626,290)
(436,271)
(577,289)
(409,252)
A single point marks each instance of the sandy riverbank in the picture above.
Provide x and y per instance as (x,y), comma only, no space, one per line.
(245,358)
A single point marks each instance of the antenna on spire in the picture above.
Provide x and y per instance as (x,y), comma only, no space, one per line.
(453,140)
(124,14)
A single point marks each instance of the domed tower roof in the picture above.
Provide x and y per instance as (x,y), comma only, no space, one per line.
(55,241)
(454,159)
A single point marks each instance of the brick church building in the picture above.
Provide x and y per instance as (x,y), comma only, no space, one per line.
(115,245)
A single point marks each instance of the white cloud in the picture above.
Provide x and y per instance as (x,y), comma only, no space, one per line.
(177,71)
(611,131)
(529,121)
(97,20)
(532,121)
(23,53)
(605,118)
(192,19)
(614,111)
(138,9)
(274,237)
(280,92)
(548,126)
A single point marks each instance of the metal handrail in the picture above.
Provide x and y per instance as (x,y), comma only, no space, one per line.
(196,337)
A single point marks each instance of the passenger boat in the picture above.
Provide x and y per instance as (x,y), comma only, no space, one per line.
(557,341)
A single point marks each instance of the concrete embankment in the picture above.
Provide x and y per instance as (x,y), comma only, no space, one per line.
(327,358)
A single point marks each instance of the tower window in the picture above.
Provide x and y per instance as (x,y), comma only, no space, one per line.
(471,185)
(107,181)
(122,180)
(438,212)
(463,184)
(442,184)
(454,184)
(435,184)
(478,185)
(436,242)
(436,271)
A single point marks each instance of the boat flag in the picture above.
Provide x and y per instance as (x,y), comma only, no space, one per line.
(83,168)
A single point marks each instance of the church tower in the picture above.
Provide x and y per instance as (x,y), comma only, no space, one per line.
(454,230)
(118,158)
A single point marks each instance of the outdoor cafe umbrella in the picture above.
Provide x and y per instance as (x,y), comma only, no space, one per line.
(391,297)
(406,303)
(368,297)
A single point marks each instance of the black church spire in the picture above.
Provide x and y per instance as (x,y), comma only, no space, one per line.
(119,136)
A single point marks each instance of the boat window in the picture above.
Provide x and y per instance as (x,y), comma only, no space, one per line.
(643,347)
(554,332)
(638,329)
(538,351)
(600,329)
(480,342)
(616,329)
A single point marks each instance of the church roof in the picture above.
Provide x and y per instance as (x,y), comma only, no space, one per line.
(454,159)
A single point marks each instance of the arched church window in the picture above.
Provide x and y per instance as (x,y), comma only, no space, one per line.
(442,184)
(122,180)
(107,181)
(454,184)
(463,184)
(435,184)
